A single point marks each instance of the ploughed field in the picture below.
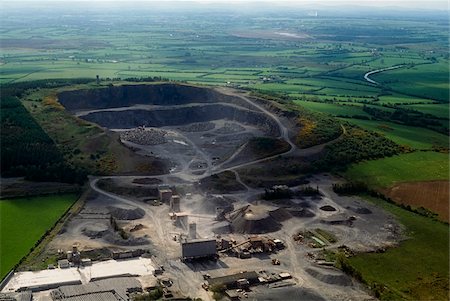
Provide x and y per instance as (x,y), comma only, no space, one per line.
(429,194)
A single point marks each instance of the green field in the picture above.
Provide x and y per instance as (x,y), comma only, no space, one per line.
(23,221)
(333,109)
(439,110)
(416,270)
(414,137)
(322,71)
(430,80)
(416,166)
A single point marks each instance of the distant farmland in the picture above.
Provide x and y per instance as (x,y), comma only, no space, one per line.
(23,221)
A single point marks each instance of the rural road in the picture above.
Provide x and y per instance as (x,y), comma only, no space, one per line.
(367,78)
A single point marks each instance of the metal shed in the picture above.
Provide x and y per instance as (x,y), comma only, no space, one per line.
(199,248)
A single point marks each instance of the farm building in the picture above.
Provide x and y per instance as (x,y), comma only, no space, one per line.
(199,248)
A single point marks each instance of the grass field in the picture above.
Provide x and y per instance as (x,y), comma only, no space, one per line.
(23,221)
(416,166)
(333,109)
(414,137)
(439,110)
(416,270)
(431,80)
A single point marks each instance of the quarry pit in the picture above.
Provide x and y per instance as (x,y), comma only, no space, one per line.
(194,128)
(206,135)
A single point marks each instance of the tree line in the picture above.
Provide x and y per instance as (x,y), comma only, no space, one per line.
(26,149)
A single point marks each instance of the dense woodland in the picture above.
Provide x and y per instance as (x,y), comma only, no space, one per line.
(26,150)
(356,145)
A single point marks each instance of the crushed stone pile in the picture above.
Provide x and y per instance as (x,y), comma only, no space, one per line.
(330,276)
(144,136)
(255,219)
(95,230)
(126,212)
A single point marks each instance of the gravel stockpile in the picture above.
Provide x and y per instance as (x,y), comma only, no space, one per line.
(145,136)
(126,212)
(255,219)
(95,230)
(330,276)
(327,208)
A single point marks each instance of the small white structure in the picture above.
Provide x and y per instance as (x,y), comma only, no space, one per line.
(63,264)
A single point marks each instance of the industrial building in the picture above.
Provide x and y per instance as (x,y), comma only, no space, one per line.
(175,203)
(109,290)
(165,194)
(235,280)
(21,296)
(199,249)
(192,231)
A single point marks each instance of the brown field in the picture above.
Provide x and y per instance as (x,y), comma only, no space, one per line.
(432,195)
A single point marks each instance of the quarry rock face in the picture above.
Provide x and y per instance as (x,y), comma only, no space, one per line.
(166,105)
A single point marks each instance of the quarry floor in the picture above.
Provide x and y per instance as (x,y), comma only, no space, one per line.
(369,232)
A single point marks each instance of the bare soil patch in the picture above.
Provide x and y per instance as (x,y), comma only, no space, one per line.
(432,195)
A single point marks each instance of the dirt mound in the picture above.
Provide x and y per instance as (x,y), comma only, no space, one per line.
(137,228)
(327,208)
(95,230)
(126,212)
(254,219)
(330,276)
(287,293)
(280,214)
(301,212)
(360,210)
(432,195)
(115,238)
